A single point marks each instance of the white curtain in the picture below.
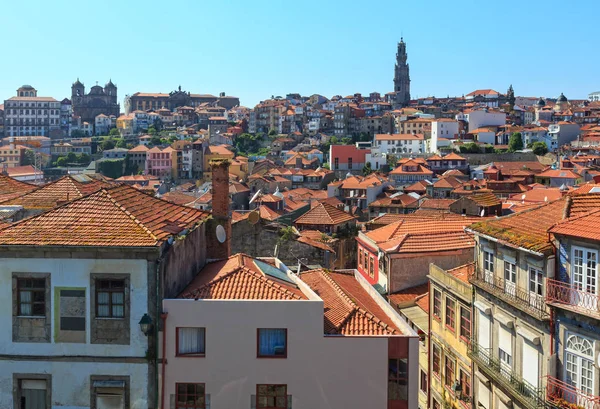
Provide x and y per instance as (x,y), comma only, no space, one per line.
(26,303)
(191,341)
(118,303)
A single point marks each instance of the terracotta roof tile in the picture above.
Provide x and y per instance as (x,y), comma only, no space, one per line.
(462,272)
(409,295)
(485,199)
(11,188)
(239,278)
(118,216)
(324,214)
(583,203)
(437,203)
(349,309)
(527,229)
(586,225)
(62,190)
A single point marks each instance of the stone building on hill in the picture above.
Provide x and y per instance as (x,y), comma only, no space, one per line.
(98,101)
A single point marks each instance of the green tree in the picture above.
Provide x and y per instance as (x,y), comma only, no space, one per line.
(391,161)
(83,159)
(29,158)
(367,170)
(114,132)
(272,132)
(346,140)
(325,166)
(77,133)
(155,141)
(515,143)
(510,96)
(61,161)
(540,148)
(107,144)
(121,143)
(152,130)
(71,157)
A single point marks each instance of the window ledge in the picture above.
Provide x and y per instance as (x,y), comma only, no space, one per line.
(109,318)
(190,355)
(38,317)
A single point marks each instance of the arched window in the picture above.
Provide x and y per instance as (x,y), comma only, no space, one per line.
(579,363)
(580,345)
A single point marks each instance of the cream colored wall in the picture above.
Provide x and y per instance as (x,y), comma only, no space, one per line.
(321,372)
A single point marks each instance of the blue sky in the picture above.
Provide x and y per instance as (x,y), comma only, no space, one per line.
(257,48)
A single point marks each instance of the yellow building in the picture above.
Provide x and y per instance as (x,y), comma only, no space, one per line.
(12,155)
(239,168)
(450,300)
(217,152)
(125,124)
(413,305)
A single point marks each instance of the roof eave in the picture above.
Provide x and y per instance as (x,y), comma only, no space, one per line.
(505,243)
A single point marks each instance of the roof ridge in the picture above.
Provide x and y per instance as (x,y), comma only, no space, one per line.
(338,289)
(128,213)
(573,218)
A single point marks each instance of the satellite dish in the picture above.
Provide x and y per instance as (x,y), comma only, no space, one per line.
(482,212)
(221,235)
(254,217)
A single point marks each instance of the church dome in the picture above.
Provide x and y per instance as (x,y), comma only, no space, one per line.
(96,90)
(541,102)
(562,98)
(26,87)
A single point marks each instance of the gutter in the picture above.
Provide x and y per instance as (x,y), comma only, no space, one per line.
(156,328)
(505,243)
(164,360)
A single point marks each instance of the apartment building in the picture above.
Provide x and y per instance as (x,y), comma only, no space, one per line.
(399,143)
(248,333)
(26,114)
(450,308)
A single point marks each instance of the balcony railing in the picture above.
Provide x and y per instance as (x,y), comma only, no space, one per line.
(558,292)
(566,396)
(523,391)
(523,299)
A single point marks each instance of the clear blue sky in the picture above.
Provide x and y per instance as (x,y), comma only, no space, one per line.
(254,49)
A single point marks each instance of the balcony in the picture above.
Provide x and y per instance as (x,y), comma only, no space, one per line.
(566,296)
(524,300)
(527,394)
(563,395)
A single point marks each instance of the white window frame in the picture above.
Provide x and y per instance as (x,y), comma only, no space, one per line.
(584,284)
(488,266)
(580,357)
(535,298)
(510,277)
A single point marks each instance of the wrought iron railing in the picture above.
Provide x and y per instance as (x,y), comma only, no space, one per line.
(563,395)
(566,294)
(522,390)
(523,299)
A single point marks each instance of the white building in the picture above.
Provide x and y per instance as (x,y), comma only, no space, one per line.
(443,129)
(26,114)
(562,133)
(248,333)
(79,290)
(482,117)
(103,124)
(399,143)
(594,96)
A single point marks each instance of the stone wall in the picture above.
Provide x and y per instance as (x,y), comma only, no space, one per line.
(476,159)
(260,239)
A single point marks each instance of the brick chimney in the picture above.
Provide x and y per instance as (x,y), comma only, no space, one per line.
(220,210)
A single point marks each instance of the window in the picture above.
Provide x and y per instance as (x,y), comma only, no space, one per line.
(436,404)
(436,360)
(450,314)
(360,257)
(584,269)
(465,323)
(336,163)
(424,381)
(465,383)
(33,393)
(510,277)
(191,341)
(437,304)
(398,379)
(449,375)
(271,396)
(272,343)
(579,363)
(488,261)
(536,279)
(371,267)
(32,297)
(190,396)
(349,163)
(110,298)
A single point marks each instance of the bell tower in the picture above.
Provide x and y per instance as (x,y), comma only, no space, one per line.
(401,76)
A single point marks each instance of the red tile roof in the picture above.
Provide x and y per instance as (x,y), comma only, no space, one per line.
(62,190)
(239,278)
(485,199)
(11,188)
(409,295)
(462,272)
(324,214)
(399,137)
(118,216)
(437,203)
(349,309)
(585,225)
(527,229)
(583,203)
(423,302)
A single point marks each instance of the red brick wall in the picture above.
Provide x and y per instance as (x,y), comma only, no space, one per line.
(220,211)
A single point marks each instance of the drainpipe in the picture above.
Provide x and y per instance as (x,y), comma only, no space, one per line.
(163,316)
(429,348)
(157,314)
